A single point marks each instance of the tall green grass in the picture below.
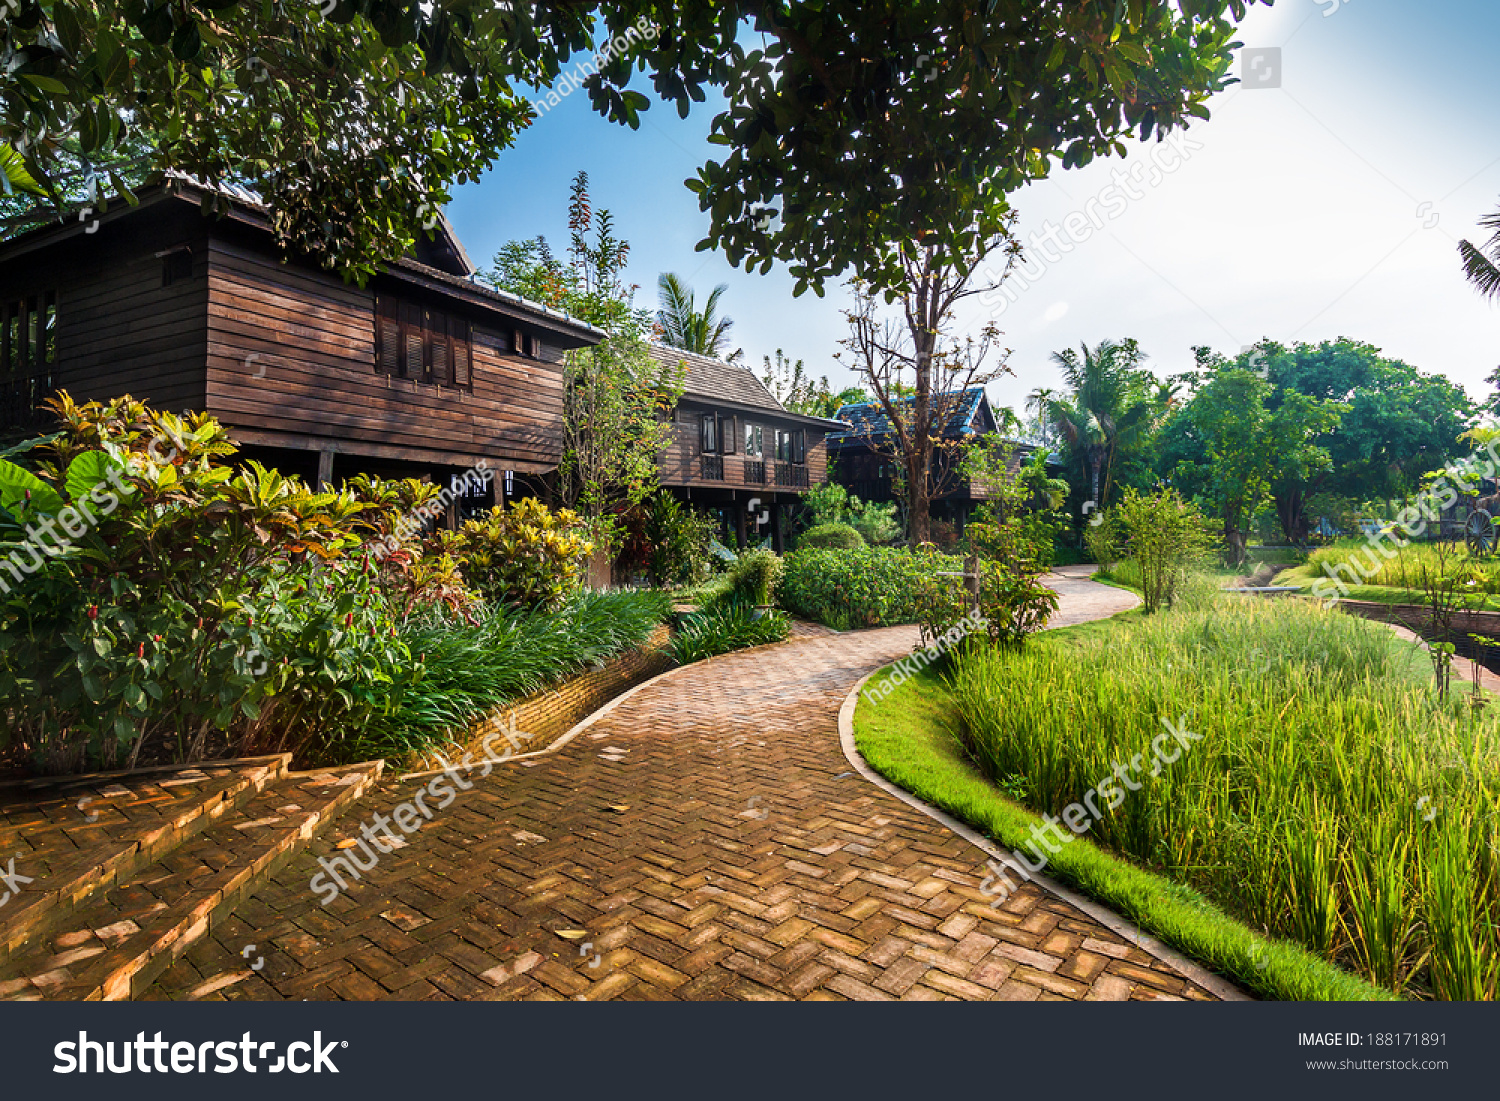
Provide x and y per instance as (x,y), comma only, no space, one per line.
(1407,568)
(1331,800)
(468,669)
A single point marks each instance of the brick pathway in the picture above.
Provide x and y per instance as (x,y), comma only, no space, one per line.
(705,839)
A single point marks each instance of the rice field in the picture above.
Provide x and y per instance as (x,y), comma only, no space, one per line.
(1330,799)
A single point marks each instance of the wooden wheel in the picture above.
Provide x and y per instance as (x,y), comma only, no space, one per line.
(1479,533)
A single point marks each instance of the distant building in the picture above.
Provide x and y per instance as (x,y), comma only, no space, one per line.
(738,452)
(863,460)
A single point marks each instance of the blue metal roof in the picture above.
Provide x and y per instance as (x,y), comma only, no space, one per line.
(867,421)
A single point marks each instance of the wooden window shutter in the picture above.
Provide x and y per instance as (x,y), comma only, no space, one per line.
(463,353)
(387,335)
(440,354)
(411,341)
(727,431)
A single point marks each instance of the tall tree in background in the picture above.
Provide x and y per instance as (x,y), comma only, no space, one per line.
(863,124)
(685,326)
(1106,412)
(915,369)
(1484,270)
(1398,423)
(1251,436)
(613,433)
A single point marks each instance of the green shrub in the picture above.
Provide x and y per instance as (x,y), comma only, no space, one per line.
(732,625)
(868,587)
(1322,795)
(830,536)
(830,503)
(526,555)
(1013,604)
(1163,535)
(755,577)
(467,669)
(669,540)
(200,610)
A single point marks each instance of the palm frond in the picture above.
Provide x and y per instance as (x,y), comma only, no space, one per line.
(1480,269)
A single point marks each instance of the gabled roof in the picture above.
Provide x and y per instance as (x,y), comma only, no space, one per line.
(714,382)
(436,265)
(867,421)
(709,379)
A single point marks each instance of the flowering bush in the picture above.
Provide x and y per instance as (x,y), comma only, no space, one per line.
(526,555)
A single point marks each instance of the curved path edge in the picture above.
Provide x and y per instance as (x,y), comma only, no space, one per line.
(1214,984)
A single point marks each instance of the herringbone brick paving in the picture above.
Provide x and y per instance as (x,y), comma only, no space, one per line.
(706,839)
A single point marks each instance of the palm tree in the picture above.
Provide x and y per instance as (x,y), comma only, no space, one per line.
(685,327)
(1484,271)
(1105,411)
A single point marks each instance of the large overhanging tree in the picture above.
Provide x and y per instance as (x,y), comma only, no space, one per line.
(858,124)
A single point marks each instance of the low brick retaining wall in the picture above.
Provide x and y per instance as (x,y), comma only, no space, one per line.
(543,718)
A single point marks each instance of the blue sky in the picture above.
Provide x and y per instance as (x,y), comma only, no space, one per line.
(1330,205)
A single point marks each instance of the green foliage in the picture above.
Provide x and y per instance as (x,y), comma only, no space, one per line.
(175,603)
(436,91)
(756,576)
(615,392)
(830,536)
(730,625)
(1251,436)
(1163,536)
(684,326)
(1324,797)
(831,503)
(468,668)
(798,391)
(1012,604)
(671,540)
(882,587)
(527,555)
(1106,419)
(1020,521)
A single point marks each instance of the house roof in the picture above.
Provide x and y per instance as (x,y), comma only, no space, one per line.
(445,251)
(867,420)
(710,379)
(715,382)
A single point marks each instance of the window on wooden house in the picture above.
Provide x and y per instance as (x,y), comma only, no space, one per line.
(28,335)
(708,434)
(176,266)
(422,344)
(753,442)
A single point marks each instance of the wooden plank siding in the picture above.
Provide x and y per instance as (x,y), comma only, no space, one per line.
(682,461)
(119,330)
(311,339)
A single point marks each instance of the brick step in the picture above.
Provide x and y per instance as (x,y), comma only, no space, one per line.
(75,837)
(115,947)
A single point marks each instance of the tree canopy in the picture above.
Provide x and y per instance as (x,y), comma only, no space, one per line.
(848,125)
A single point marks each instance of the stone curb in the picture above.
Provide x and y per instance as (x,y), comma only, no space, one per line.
(1219,987)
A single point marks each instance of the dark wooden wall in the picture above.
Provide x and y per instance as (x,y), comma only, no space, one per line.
(311,339)
(119,330)
(681,463)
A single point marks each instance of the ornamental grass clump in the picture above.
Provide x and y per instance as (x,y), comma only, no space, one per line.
(1328,799)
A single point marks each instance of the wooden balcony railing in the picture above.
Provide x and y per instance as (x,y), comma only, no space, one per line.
(19,399)
(788,474)
(713,468)
(755,472)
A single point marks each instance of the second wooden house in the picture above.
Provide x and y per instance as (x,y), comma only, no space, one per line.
(739,453)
